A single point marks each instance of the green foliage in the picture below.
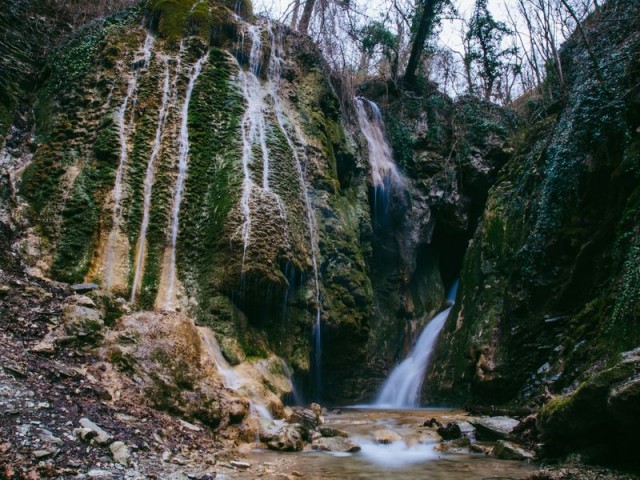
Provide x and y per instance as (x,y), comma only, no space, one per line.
(375,34)
(484,41)
(71,62)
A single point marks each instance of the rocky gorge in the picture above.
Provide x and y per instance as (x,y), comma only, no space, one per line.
(206,237)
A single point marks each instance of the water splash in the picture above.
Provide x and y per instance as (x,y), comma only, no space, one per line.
(121,121)
(397,454)
(402,388)
(183,157)
(148,185)
(384,171)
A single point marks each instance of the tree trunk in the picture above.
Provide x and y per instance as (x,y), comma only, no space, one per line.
(303,26)
(296,12)
(425,26)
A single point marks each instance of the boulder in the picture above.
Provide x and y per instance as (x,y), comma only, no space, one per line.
(92,432)
(99,474)
(450,432)
(289,439)
(510,451)
(494,428)
(120,453)
(335,444)
(332,432)
(81,300)
(306,417)
(431,423)
(81,321)
(467,429)
(608,401)
(44,347)
(386,436)
(84,287)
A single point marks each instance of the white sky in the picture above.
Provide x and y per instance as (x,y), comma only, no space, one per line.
(449,37)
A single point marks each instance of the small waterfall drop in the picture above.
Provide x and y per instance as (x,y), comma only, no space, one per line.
(384,171)
(183,156)
(148,185)
(229,377)
(121,121)
(402,388)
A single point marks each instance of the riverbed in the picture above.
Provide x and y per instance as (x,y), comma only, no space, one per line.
(418,456)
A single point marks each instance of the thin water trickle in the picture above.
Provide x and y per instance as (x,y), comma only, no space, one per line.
(148,185)
(253,130)
(183,157)
(121,121)
(384,171)
(402,388)
(299,155)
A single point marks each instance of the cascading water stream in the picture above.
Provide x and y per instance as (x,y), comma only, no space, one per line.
(274,76)
(124,154)
(250,121)
(254,131)
(384,171)
(148,184)
(183,157)
(402,388)
(229,377)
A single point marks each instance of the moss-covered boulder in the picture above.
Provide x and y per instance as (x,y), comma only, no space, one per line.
(600,418)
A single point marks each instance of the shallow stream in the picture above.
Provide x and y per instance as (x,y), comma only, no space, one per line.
(417,457)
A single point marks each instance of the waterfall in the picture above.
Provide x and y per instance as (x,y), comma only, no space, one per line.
(148,184)
(183,156)
(384,171)
(402,388)
(121,121)
(299,156)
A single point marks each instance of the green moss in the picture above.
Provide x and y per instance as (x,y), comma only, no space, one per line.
(401,140)
(73,62)
(213,181)
(123,361)
(177,17)
(79,221)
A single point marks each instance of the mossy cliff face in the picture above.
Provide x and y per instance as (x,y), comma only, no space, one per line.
(549,289)
(96,201)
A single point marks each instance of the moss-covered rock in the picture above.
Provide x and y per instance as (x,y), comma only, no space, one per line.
(600,418)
